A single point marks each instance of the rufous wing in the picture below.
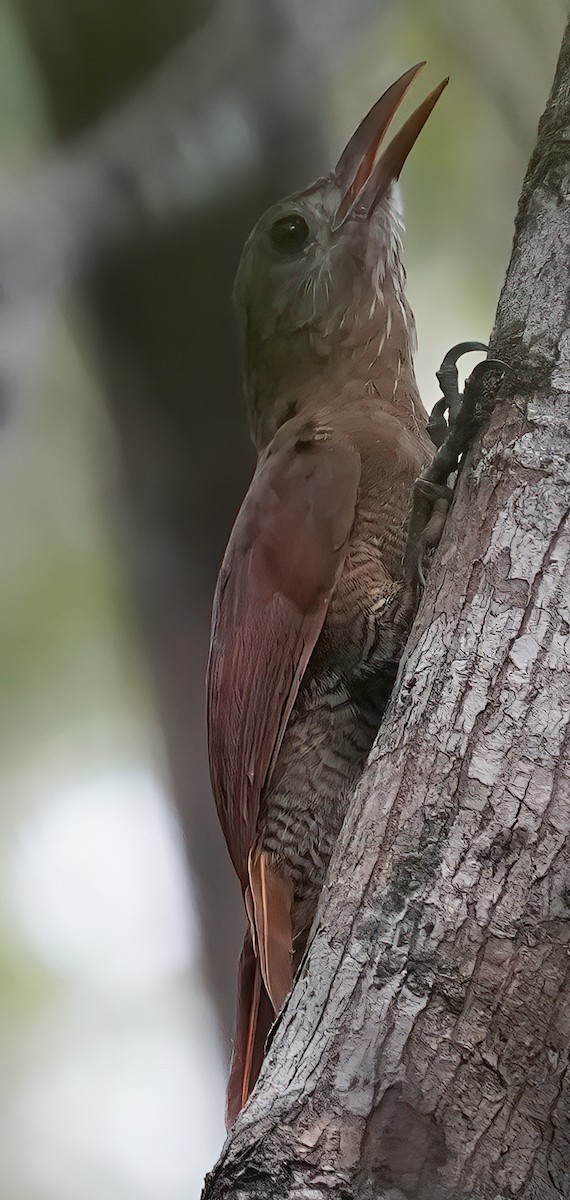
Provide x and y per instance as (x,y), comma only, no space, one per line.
(284,558)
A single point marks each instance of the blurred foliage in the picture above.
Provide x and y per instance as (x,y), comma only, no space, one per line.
(22,112)
(62,597)
(134,44)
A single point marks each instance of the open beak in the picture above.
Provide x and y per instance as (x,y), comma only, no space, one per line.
(363,179)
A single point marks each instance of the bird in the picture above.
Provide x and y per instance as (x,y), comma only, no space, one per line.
(312,606)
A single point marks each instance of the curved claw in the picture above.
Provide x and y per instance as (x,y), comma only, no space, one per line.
(459,350)
(474,382)
(448,379)
(448,368)
(437,426)
(489,364)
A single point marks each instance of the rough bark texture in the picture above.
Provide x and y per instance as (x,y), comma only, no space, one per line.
(424,1052)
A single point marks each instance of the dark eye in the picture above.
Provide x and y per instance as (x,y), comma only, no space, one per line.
(289,234)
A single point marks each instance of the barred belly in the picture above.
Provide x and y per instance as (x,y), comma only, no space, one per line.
(327,742)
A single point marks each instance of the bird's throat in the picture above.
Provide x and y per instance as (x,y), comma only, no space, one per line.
(290,377)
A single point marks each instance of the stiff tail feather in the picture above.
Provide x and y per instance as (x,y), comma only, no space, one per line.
(272,896)
(254,1019)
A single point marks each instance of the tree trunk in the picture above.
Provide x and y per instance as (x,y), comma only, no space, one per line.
(424,1051)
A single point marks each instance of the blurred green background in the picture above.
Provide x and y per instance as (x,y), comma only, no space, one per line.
(123,456)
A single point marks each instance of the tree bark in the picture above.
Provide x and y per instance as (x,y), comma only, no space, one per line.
(424,1051)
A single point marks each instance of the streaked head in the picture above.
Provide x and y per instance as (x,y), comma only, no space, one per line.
(318,262)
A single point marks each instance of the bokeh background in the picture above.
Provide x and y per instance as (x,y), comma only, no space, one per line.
(139,141)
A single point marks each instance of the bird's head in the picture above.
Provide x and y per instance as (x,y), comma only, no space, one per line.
(324,266)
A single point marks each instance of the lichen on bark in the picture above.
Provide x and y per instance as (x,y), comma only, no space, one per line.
(424,1052)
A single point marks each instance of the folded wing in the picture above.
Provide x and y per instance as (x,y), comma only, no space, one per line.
(284,558)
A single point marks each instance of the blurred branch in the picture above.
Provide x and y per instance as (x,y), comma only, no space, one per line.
(238,96)
(156,201)
(239,99)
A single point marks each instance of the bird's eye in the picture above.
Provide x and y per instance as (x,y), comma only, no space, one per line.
(289,234)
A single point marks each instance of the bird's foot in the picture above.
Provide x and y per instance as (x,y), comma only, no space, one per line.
(452,436)
(451,399)
(429,512)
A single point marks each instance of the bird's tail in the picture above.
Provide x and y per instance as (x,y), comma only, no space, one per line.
(254,1018)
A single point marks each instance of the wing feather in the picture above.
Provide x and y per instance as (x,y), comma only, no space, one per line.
(284,558)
